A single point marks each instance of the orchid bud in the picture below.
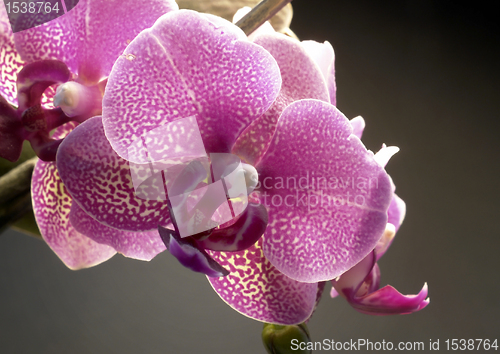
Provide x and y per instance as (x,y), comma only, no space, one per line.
(286,339)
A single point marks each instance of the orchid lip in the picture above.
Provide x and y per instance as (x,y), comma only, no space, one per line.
(189,255)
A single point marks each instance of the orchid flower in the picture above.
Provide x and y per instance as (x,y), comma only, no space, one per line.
(75,51)
(359,284)
(267,99)
(267,102)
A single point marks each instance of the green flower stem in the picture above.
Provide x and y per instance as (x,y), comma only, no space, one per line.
(260,14)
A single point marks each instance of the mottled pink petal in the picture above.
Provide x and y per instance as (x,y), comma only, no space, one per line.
(396,212)
(258,290)
(324,56)
(301,79)
(10,60)
(186,64)
(51,205)
(389,301)
(101,183)
(319,294)
(327,197)
(11,132)
(139,245)
(91,36)
(358,125)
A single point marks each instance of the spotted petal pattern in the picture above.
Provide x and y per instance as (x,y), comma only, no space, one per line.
(51,205)
(319,229)
(10,60)
(138,245)
(91,36)
(301,79)
(169,72)
(101,183)
(258,290)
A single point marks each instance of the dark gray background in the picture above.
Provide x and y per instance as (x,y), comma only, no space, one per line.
(424,75)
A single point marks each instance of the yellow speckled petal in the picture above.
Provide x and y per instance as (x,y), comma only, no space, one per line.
(51,205)
(258,290)
(10,60)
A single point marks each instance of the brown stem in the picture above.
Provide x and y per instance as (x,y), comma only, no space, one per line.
(15,198)
(260,14)
(14,210)
(17,181)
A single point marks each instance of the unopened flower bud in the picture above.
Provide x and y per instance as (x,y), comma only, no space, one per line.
(286,339)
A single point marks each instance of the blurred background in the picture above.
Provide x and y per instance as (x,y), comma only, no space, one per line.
(425,76)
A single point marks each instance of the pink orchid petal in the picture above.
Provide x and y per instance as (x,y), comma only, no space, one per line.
(187,64)
(138,245)
(396,212)
(316,234)
(258,290)
(324,56)
(385,241)
(349,282)
(51,206)
(371,283)
(101,183)
(358,125)
(11,62)
(385,153)
(11,132)
(359,286)
(91,36)
(301,79)
(360,280)
(389,301)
